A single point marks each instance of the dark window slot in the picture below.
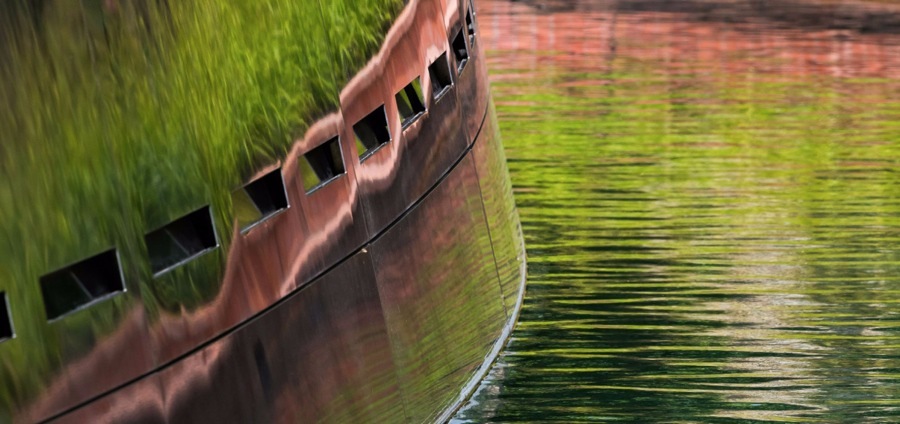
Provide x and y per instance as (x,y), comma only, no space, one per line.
(470,24)
(441,80)
(259,200)
(409,102)
(321,165)
(181,240)
(460,51)
(6,328)
(372,132)
(79,284)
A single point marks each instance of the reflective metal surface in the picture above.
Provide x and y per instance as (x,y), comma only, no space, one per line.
(500,210)
(321,355)
(140,402)
(309,314)
(430,144)
(442,300)
(473,78)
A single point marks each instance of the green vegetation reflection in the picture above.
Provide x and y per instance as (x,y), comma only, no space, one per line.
(711,237)
(119,117)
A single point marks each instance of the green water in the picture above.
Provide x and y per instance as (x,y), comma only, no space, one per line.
(709,197)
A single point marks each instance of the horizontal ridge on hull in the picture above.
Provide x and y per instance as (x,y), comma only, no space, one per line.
(363,272)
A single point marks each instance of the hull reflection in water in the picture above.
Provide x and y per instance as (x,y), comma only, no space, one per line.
(225,223)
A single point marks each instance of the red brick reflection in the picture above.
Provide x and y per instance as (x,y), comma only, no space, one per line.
(804,38)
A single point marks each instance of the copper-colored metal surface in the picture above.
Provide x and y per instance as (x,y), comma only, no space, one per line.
(374,297)
(474,77)
(399,172)
(140,402)
(440,293)
(323,354)
(390,334)
(113,361)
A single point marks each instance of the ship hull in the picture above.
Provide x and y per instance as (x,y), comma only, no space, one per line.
(380,295)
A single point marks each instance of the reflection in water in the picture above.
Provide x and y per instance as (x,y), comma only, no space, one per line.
(710,199)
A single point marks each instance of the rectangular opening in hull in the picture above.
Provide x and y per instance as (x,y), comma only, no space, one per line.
(181,240)
(371,132)
(322,165)
(77,285)
(441,79)
(410,103)
(259,200)
(6,327)
(460,51)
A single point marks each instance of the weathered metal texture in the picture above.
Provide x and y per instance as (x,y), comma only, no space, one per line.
(374,297)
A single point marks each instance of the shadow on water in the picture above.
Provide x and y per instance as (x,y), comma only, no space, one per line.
(709,195)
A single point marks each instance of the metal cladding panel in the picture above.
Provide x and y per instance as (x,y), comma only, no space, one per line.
(269,260)
(140,402)
(281,253)
(322,355)
(330,218)
(100,367)
(339,338)
(395,175)
(474,77)
(500,208)
(440,293)
(390,334)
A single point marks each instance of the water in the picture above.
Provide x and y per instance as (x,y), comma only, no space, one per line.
(711,202)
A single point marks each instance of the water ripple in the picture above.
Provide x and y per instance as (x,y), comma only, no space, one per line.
(709,194)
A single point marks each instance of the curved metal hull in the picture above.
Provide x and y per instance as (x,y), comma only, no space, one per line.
(377,295)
